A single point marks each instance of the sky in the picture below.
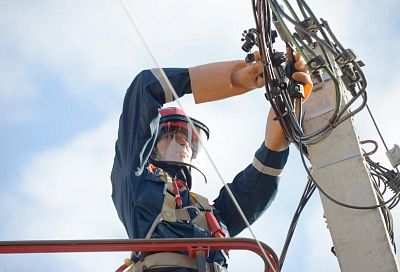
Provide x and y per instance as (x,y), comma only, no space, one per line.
(64,70)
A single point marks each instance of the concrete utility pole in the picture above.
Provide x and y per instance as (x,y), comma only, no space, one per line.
(360,237)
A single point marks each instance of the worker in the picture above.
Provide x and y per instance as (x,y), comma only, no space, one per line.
(151,179)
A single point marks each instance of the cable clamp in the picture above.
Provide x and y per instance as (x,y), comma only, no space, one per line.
(350,76)
(308,24)
(331,124)
(345,57)
(296,90)
(249,37)
(394,155)
(316,63)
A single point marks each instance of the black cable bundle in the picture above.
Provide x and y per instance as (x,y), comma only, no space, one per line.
(306,39)
(313,35)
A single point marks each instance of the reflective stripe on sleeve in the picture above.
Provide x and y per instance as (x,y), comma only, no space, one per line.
(167,91)
(266,169)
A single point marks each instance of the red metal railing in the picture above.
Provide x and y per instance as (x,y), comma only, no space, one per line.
(148,245)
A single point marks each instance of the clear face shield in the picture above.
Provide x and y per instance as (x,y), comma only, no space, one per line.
(177,141)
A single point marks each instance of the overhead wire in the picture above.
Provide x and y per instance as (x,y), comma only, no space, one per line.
(326,44)
(292,126)
(307,139)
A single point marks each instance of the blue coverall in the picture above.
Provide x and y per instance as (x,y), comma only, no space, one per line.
(137,194)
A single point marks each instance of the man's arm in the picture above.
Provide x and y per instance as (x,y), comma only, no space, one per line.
(256,186)
(221,80)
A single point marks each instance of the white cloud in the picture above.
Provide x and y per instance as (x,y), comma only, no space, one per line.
(71,184)
(95,52)
(65,193)
(16,91)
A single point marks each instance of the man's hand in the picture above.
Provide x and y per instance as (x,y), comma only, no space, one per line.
(221,80)
(275,138)
(249,75)
(302,75)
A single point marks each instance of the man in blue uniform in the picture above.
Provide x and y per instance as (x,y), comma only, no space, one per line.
(156,145)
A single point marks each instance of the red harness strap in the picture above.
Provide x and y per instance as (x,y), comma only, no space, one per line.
(215,227)
(176,186)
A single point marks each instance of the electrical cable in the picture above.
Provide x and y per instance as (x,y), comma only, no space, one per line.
(284,109)
(289,136)
(308,191)
(379,132)
(319,40)
(350,206)
(320,28)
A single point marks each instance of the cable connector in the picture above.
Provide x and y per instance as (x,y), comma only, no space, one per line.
(345,57)
(393,181)
(350,77)
(249,37)
(310,25)
(250,58)
(277,58)
(315,66)
(275,90)
(394,155)
(296,90)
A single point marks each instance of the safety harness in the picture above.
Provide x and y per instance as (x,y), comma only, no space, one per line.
(173,211)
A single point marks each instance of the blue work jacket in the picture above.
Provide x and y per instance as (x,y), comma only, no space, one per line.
(138,196)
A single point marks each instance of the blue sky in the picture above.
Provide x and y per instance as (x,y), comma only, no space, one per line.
(64,70)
